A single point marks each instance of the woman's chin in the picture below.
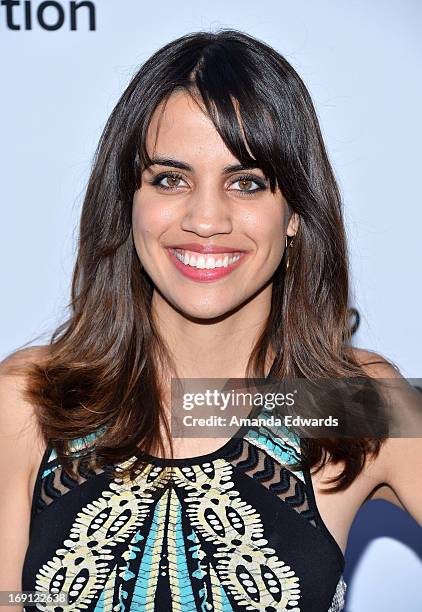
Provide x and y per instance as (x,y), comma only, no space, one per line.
(205,310)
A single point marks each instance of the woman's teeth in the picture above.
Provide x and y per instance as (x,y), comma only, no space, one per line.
(222,260)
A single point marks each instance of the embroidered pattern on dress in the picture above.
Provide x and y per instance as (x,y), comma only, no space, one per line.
(184,530)
(146,516)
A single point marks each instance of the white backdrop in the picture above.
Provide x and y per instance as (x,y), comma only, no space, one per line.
(362,64)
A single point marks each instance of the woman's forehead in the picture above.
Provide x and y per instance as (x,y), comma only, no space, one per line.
(181,123)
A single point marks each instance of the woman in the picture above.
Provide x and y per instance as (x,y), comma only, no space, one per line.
(211,246)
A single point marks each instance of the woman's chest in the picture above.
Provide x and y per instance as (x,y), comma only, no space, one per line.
(240,531)
(337,510)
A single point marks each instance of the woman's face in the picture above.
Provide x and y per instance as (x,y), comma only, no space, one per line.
(209,234)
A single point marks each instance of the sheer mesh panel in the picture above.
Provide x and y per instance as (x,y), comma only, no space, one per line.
(274,476)
(58,482)
(253,461)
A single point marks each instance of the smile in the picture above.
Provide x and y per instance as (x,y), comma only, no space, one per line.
(205,267)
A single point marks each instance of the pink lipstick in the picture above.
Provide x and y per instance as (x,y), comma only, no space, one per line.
(214,262)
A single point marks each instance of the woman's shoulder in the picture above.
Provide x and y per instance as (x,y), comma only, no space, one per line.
(13,363)
(21,449)
(374,364)
(397,468)
(22,443)
(13,373)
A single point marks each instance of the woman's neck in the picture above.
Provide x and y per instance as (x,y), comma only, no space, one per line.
(212,348)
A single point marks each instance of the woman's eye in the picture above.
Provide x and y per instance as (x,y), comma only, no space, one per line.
(246,185)
(168,181)
(172,181)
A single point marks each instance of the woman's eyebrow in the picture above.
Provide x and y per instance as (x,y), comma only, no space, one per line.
(175,163)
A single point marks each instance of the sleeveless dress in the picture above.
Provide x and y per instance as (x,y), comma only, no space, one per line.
(233,530)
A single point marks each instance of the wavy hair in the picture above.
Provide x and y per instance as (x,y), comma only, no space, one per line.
(103,364)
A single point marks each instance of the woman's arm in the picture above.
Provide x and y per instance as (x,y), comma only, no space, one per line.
(398,467)
(19,451)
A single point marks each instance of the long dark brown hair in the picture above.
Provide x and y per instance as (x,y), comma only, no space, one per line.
(101,372)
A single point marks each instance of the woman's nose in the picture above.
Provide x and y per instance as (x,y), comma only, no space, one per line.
(207,212)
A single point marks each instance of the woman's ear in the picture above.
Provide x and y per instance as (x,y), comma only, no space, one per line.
(293,225)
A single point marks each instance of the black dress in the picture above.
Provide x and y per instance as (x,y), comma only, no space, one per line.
(233,530)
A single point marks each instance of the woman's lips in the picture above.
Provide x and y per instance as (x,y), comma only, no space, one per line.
(204,274)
